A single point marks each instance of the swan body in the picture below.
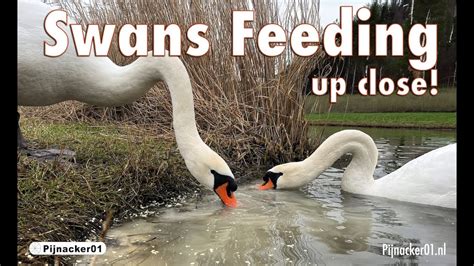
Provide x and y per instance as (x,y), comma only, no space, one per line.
(429,179)
(94,80)
(98,81)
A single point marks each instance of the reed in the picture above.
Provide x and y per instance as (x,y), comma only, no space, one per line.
(249,109)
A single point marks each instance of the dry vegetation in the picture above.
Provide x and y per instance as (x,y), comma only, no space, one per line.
(249,109)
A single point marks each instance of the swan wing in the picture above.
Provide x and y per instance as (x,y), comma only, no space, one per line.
(429,179)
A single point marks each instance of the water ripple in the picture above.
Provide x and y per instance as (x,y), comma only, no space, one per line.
(317,224)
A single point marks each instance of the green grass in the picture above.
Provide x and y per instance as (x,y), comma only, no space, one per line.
(444,101)
(118,168)
(408,120)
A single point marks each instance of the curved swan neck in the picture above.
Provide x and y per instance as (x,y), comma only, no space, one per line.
(172,71)
(358,175)
(199,157)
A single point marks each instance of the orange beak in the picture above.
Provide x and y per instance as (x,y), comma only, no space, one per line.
(267,185)
(222,193)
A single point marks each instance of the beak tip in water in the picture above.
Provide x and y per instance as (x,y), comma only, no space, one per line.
(232,205)
(229,201)
(267,185)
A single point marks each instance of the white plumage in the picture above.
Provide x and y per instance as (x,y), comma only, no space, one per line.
(429,179)
(44,81)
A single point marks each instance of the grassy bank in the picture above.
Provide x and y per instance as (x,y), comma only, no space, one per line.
(445,101)
(440,120)
(116,168)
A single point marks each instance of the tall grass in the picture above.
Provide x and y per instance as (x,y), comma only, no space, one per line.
(250,109)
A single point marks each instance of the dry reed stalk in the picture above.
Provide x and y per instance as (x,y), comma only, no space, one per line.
(250,109)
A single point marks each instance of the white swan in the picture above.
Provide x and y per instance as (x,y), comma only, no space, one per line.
(97,80)
(429,179)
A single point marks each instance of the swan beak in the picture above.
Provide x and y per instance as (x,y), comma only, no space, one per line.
(223,194)
(266,185)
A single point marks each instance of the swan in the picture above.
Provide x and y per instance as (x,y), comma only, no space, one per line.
(429,179)
(97,80)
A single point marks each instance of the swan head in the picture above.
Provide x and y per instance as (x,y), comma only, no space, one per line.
(284,176)
(213,172)
(225,186)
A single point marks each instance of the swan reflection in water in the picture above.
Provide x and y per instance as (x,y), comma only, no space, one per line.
(318,224)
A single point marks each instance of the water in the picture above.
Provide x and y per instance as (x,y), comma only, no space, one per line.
(318,224)
(396,146)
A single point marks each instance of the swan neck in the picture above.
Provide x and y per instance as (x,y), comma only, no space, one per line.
(184,121)
(173,72)
(141,75)
(358,175)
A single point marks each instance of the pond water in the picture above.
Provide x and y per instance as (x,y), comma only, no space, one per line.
(318,224)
